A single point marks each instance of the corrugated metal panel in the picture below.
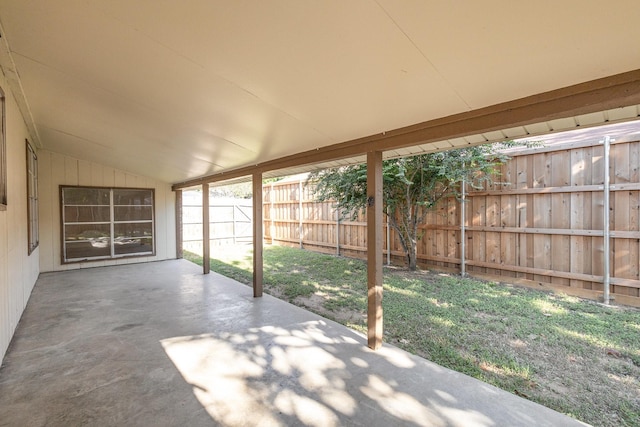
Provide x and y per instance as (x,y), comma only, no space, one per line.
(591,119)
(625,113)
(402,152)
(517,132)
(475,139)
(532,132)
(562,124)
(537,128)
(442,145)
(416,149)
(495,136)
(458,142)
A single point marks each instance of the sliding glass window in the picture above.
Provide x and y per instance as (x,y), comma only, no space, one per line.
(104,223)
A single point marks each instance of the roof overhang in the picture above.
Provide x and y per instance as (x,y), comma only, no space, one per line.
(192,91)
(608,100)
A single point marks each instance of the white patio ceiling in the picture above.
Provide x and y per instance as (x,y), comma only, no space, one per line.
(177,90)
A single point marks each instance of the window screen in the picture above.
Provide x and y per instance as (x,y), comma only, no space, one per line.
(99,223)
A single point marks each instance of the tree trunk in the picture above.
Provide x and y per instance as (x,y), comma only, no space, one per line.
(412,255)
(413,239)
(408,242)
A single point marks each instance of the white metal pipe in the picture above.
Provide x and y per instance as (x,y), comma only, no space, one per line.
(606,230)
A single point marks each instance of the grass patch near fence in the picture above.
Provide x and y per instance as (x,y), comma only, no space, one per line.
(572,355)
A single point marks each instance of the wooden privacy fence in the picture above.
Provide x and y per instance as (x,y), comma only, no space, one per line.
(544,226)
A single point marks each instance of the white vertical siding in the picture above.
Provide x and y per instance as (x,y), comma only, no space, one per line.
(5,319)
(56,169)
(18,269)
(45,209)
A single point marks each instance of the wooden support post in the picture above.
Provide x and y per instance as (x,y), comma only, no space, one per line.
(257,235)
(374,249)
(179,251)
(206,239)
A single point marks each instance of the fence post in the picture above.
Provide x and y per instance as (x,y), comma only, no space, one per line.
(388,240)
(300,212)
(337,232)
(272,224)
(606,231)
(463,267)
(233,217)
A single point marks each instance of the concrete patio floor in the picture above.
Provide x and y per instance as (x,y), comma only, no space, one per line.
(160,344)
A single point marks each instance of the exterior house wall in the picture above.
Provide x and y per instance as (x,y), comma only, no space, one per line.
(56,169)
(18,270)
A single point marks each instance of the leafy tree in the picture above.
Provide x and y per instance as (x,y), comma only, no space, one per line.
(411,186)
(242,190)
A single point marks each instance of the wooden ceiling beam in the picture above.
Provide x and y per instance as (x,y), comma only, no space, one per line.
(617,91)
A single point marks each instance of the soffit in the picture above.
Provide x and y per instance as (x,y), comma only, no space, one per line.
(178,90)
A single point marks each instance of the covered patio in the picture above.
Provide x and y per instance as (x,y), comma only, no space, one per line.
(137,101)
(162,344)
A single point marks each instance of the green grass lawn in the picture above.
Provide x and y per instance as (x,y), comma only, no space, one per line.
(572,355)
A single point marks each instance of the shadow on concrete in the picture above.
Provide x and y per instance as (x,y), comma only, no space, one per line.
(161,344)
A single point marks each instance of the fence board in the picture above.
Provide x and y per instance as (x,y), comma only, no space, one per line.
(508,218)
(576,244)
(492,220)
(479,239)
(560,214)
(453,236)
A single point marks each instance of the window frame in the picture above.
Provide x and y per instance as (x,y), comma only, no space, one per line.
(111,222)
(33,220)
(3,154)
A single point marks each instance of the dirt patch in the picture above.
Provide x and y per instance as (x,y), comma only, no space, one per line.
(316,304)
